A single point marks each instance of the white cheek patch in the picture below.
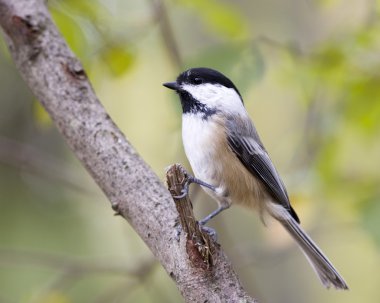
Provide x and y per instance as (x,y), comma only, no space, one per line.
(216,96)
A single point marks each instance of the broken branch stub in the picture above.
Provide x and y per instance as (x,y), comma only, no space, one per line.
(200,247)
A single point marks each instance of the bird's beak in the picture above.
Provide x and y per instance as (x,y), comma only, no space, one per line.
(171,85)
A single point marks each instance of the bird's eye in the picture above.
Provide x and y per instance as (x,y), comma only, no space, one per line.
(198,81)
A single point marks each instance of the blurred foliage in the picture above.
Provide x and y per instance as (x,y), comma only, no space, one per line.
(224,18)
(118,59)
(343,73)
(74,18)
(310,79)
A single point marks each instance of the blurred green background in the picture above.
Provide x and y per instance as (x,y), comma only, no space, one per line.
(309,72)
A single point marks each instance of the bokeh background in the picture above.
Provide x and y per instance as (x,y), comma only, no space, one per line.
(309,72)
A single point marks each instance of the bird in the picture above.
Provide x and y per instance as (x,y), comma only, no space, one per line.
(230,162)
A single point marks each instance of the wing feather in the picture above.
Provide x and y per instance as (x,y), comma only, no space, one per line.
(252,154)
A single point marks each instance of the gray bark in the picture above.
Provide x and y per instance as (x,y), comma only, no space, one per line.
(58,80)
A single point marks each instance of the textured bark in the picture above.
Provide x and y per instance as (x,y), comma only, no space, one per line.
(200,246)
(58,80)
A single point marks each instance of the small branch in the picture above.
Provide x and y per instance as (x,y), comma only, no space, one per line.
(71,270)
(199,245)
(119,292)
(37,162)
(208,262)
(161,15)
(67,264)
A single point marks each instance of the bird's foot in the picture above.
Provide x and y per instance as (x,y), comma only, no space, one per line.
(210,231)
(191,179)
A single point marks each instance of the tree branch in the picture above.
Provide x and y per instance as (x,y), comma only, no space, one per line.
(58,80)
(161,16)
(199,245)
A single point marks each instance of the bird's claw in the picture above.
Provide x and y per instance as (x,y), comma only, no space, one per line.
(184,191)
(183,195)
(210,231)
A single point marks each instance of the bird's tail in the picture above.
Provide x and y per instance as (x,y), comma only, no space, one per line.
(322,266)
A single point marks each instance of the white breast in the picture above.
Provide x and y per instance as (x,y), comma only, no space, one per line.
(198,137)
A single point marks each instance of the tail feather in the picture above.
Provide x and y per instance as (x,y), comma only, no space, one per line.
(322,266)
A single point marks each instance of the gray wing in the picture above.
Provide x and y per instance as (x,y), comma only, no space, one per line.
(247,146)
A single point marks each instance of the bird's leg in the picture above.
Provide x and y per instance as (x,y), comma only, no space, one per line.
(217,211)
(191,179)
(214,213)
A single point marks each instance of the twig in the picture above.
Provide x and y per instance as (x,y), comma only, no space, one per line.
(161,15)
(27,158)
(116,292)
(199,245)
(60,262)
(71,270)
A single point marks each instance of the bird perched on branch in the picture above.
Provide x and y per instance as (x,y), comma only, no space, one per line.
(230,162)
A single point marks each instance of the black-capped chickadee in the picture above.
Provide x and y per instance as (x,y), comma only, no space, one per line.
(226,153)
